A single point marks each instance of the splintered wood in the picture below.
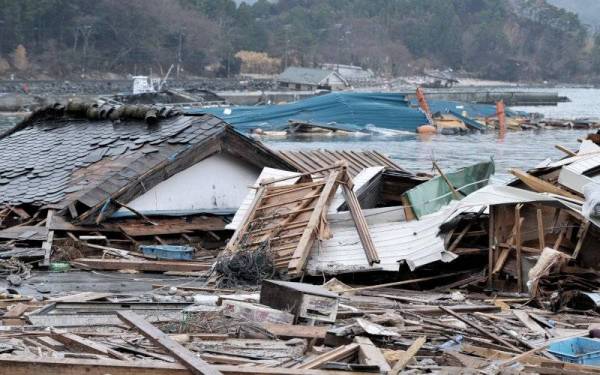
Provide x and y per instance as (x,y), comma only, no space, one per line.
(286,219)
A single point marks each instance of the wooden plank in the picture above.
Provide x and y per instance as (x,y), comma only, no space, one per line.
(16,311)
(289,330)
(141,265)
(331,356)
(540,226)
(361,225)
(518,247)
(81,297)
(369,354)
(528,322)
(78,343)
(407,356)
(25,232)
(24,365)
(196,365)
(47,245)
(300,255)
(491,247)
(480,329)
(173,226)
(581,237)
(405,282)
(541,186)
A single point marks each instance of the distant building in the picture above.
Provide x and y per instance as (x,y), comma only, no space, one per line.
(296,78)
(351,73)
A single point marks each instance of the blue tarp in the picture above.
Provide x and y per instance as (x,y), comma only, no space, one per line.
(346,110)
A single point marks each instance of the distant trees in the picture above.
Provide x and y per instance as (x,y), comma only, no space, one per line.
(516,39)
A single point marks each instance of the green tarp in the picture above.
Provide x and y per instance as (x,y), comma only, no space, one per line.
(432,195)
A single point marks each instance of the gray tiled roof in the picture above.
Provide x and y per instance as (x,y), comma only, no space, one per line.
(309,76)
(57,160)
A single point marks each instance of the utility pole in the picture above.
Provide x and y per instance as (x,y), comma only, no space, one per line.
(179,54)
(86,31)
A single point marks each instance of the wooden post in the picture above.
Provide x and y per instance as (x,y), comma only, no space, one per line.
(518,247)
(47,245)
(195,364)
(491,248)
(361,225)
(540,225)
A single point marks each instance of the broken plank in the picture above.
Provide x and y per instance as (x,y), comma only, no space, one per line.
(298,331)
(78,343)
(331,356)
(141,265)
(81,297)
(369,354)
(480,329)
(528,322)
(407,356)
(16,311)
(194,364)
(24,365)
(47,244)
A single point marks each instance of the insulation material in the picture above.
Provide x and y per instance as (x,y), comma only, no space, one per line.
(548,260)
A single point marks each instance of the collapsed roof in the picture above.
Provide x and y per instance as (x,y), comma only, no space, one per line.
(78,157)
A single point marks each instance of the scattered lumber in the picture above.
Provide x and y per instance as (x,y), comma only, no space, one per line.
(140,265)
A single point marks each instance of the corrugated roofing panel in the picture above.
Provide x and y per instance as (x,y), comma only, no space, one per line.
(415,242)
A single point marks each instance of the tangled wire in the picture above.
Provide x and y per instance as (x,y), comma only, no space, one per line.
(14,266)
(245,267)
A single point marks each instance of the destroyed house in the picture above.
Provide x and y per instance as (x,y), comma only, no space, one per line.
(297,78)
(86,164)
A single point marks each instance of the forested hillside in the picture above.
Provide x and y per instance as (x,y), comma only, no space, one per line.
(499,39)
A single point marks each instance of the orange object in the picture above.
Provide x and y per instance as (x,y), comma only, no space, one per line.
(423,102)
(501,116)
(426,129)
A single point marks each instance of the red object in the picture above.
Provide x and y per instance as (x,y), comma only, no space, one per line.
(423,102)
(501,116)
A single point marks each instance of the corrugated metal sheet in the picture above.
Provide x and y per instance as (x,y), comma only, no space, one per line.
(415,242)
(347,110)
(310,160)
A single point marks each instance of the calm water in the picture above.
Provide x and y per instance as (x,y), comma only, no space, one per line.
(516,149)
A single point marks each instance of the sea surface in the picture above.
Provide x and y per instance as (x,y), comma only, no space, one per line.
(524,149)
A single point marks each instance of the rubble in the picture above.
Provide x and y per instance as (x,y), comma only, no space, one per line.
(436,274)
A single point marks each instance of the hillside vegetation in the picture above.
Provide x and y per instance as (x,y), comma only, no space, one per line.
(497,39)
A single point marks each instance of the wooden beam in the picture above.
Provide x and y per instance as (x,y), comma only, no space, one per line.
(491,247)
(405,282)
(361,225)
(541,186)
(78,343)
(196,365)
(565,150)
(331,356)
(518,247)
(540,226)
(408,355)
(47,245)
(141,265)
(24,365)
(581,237)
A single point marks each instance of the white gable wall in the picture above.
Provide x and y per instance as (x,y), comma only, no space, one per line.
(218,182)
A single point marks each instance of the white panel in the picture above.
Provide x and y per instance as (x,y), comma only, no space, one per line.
(218,182)
(360,180)
(267,173)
